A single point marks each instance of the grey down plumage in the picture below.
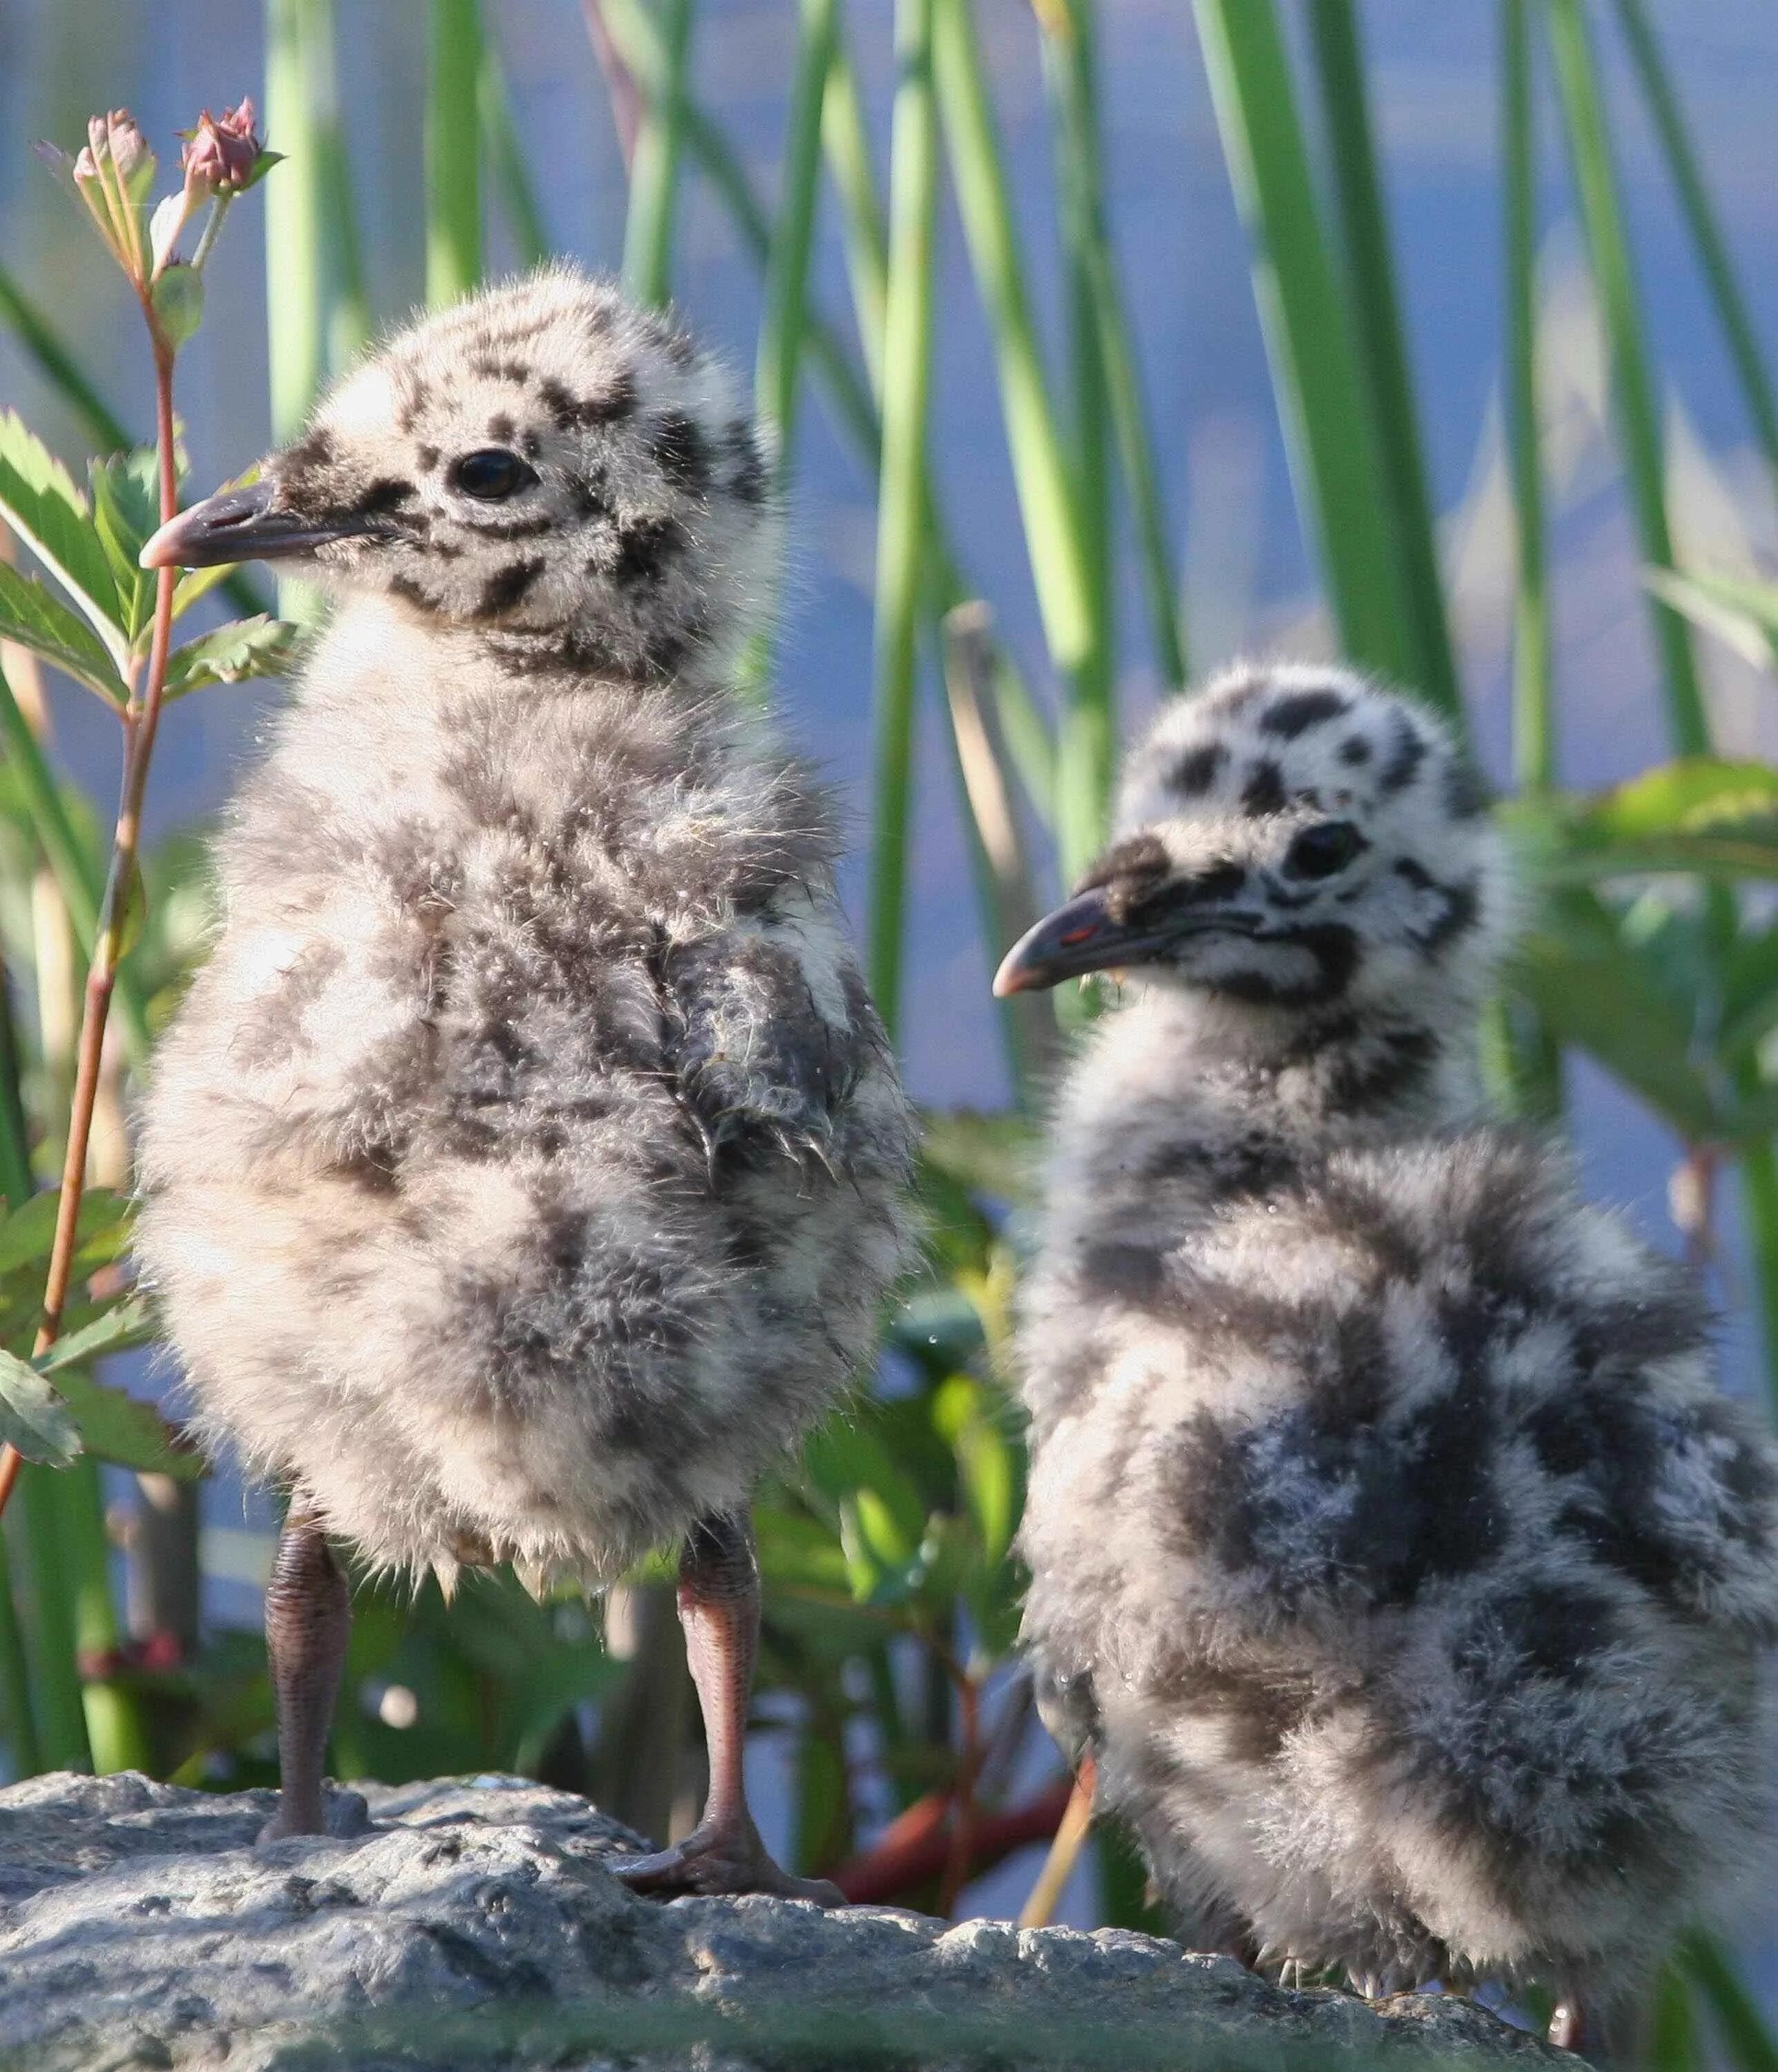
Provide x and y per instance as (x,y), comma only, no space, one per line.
(524,1170)
(1390,1543)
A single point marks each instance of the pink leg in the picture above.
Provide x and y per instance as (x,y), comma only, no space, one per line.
(308,1617)
(719,1609)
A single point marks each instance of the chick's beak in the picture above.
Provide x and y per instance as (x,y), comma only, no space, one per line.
(1088,935)
(241,525)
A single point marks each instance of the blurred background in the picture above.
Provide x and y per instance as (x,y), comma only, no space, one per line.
(1433,337)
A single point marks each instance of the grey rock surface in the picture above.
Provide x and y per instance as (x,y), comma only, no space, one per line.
(472,1923)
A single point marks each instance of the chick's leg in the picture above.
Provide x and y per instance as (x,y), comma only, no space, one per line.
(719,1609)
(308,1617)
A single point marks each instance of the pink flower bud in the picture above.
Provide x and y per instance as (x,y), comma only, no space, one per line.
(114,138)
(221,154)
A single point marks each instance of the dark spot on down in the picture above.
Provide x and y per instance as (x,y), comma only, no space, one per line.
(748,482)
(1405,759)
(572,413)
(646,550)
(507,587)
(1197,769)
(1140,856)
(1297,711)
(1355,751)
(388,492)
(500,427)
(680,448)
(493,369)
(1263,792)
(1464,796)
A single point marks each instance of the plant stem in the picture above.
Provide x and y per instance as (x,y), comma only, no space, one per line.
(453,155)
(141,720)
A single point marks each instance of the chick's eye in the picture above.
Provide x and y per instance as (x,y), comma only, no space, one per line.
(1319,852)
(491,473)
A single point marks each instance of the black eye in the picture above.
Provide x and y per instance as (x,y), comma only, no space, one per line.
(491,473)
(1319,852)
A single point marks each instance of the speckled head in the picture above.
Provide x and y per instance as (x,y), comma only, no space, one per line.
(544,462)
(1291,837)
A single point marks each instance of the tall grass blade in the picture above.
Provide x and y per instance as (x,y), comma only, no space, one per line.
(52,1632)
(1526,1060)
(1713,252)
(1054,535)
(117,1732)
(778,370)
(297,210)
(505,159)
(59,368)
(846,142)
(16,1722)
(1638,414)
(1069,81)
(1747,2040)
(902,494)
(638,41)
(1068,28)
(654,174)
(453,156)
(345,306)
(1009,902)
(1341,486)
(1534,706)
(1382,348)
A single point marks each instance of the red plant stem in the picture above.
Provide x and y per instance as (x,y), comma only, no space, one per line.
(917,1847)
(969,1764)
(141,718)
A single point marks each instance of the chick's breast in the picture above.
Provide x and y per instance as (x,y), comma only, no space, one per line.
(524,1169)
(1415,1567)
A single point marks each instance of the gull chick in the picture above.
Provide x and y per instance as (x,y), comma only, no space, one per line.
(523,1172)
(1390,1544)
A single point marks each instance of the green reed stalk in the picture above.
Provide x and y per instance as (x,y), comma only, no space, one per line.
(846,142)
(1530,1057)
(453,157)
(901,496)
(1638,413)
(1382,350)
(1533,704)
(1340,483)
(505,159)
(654,175)
(1055,533)
(52,1632)
(1700,218)
(296,216)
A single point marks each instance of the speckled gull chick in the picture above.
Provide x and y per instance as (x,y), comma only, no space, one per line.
(523,1172)
(1390,1541)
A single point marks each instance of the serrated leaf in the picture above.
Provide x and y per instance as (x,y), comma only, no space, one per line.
(125,1326)
(125,509)
(37,620)
(39,500)
(118,1427)
(34,1420)
(28,1232)
(234,654)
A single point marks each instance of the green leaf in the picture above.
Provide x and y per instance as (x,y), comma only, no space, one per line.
(126,505)
(39,500)
(122,1328)
(27,1234)
(234,654)
(840,1459)
(120,1428)
(34,1419)
(36,619)
(963,1411)
(1696,814)
(1596,992)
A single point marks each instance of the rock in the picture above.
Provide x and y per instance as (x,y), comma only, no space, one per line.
(472,1923)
